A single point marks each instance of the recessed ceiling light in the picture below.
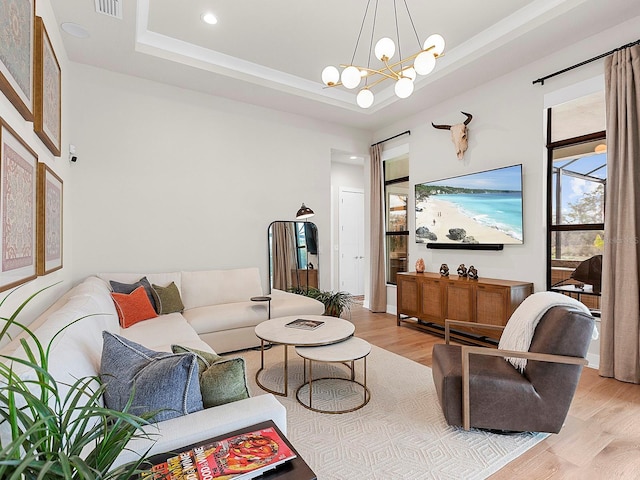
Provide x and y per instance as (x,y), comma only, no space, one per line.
(353,157)
(209,18)
(75,30)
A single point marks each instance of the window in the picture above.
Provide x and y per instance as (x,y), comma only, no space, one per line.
(577,180)
(396,196)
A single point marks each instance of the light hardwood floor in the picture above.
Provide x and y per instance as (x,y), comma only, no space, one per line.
(601,437)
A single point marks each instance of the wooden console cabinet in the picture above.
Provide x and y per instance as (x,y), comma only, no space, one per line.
(427,299)
(301,276)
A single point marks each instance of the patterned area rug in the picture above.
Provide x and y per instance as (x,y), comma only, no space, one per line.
(400,434)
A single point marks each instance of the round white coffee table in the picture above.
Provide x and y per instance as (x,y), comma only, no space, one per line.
(347,351)
(331,330)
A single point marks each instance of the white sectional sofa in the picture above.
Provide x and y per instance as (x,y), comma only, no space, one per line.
(218,306)
(227,321)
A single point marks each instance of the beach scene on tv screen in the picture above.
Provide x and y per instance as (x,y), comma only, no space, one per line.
(479,208)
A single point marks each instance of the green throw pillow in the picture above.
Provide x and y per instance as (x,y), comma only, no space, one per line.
(205,359)
(224,382)
(221,381)
(167,299)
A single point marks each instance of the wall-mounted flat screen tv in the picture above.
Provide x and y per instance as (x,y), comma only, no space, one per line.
(483,208)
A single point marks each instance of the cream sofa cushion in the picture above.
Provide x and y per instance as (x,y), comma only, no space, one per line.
(214,287)
(227,316)
(75,350)
(161,332)
(230,316)
(285,304)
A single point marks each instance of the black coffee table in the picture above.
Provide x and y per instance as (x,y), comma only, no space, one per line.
(296,469)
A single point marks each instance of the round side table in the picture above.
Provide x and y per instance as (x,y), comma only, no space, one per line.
(347,351)
(264,299)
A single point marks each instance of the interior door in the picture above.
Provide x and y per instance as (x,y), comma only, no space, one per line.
(351,241)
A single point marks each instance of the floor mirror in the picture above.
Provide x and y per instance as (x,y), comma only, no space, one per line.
(293,255)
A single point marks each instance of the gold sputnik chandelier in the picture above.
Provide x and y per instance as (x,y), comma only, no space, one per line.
(403,72)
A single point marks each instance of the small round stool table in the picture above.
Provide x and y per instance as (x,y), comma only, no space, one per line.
(347,351)
(264,298)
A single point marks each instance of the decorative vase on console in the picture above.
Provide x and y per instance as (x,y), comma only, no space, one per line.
(420,266)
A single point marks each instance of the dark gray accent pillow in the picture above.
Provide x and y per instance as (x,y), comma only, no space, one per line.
(221,380)
(127,288)
(160,382)
(167,299)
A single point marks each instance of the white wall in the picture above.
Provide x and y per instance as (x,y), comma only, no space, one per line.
(60,165)
(169,179)
(507,128)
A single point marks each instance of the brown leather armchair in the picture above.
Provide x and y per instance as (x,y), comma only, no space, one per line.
(478,388)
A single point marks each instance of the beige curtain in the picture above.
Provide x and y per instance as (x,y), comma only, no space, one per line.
(620,341)
(284,255)
(378,301)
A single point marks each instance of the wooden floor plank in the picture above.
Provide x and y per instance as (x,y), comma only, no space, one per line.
(600,438)
(582,446)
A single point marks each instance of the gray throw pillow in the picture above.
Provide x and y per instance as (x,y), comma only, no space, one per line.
(221,380)
(160,382)
(127,288)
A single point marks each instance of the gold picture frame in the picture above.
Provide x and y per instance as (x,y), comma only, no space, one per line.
(47,95)
(16,54)
(18,178)
(49,242)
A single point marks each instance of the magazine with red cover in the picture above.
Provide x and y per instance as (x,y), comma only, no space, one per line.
(238,457)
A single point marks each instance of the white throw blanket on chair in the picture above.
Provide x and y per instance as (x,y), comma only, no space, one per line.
(518,333)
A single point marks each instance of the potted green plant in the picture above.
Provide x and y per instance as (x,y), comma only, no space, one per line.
(54,434)
(335,303)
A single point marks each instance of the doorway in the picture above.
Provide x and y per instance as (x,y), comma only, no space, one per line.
(351,241)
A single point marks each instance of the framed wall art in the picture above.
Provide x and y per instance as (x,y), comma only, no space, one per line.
(18,178)
(47,97)
(49,243)
(16,53)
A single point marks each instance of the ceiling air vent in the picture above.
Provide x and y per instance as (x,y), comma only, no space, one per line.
(111,8)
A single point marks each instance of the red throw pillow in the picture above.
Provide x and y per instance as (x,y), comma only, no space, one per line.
(133,307)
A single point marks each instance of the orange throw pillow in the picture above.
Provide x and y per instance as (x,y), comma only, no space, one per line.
(133,307)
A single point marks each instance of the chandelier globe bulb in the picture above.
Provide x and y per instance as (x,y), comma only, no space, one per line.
(404,87)
(385,49)
(351,77)
(364,99)
(410,73)
(330,76)
(424,63)
(437,42)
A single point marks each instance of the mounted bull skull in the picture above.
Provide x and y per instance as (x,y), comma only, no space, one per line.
(458,134)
